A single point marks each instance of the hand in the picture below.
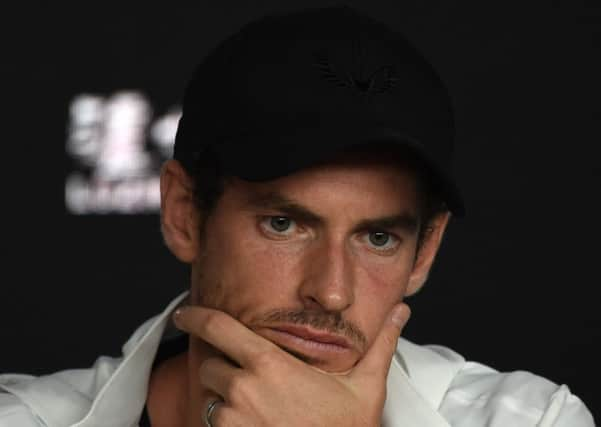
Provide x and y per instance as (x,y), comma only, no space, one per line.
(270,387)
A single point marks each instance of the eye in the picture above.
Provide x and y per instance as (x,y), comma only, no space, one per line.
(382,241)
(280,223)
(279,226)
(379,238)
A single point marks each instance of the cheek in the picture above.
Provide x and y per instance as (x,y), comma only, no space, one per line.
(380,288)
(385,280)
(242,273)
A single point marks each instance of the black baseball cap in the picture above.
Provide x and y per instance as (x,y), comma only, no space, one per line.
(287,91)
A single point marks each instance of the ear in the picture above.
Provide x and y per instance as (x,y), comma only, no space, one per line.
(180,218)
(427,252)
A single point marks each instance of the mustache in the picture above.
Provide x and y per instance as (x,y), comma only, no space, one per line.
(324,321)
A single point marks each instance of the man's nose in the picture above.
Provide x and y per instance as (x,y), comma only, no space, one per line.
(328,278)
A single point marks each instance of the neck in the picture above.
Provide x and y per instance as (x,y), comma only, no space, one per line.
(197,394)
(167,392)
(175,395)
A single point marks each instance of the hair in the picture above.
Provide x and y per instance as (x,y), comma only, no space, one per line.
(210,184)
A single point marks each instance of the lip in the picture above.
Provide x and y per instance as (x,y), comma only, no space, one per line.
(308,341)
(314,335)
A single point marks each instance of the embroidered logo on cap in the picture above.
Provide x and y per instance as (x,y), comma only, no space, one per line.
(379,81)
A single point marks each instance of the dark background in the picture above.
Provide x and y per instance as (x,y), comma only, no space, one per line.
(516,283)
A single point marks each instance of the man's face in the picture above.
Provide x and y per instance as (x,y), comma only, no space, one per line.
(313,261)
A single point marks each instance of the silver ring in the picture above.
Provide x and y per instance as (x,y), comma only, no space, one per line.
(210,410)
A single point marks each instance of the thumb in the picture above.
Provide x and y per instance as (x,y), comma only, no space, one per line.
(376,362)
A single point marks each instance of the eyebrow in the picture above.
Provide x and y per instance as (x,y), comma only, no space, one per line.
(405,221)
(279,202)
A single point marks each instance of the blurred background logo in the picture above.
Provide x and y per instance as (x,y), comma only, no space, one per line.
(117,147)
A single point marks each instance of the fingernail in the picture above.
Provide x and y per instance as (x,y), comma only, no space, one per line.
(177,314)
(400,315)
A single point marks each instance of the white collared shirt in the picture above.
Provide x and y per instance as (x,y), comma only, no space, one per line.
(428,386)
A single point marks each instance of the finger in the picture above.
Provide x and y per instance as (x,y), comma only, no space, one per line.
(223,332)
(218,375)
(376,362)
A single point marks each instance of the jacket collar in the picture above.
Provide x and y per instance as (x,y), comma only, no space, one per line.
(122,398)
(417,381)
(416,384)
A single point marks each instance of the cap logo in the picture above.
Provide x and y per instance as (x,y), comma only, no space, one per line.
(381,80)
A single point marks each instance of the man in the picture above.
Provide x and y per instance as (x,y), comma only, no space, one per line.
(309,192)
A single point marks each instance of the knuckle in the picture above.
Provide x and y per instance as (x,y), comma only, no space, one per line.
(390,340)
(212,322)
(266,359)
(240,390)
(237,386)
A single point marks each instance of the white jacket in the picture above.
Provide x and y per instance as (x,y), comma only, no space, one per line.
(428,386)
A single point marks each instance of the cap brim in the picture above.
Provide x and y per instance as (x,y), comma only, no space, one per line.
(263,157)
